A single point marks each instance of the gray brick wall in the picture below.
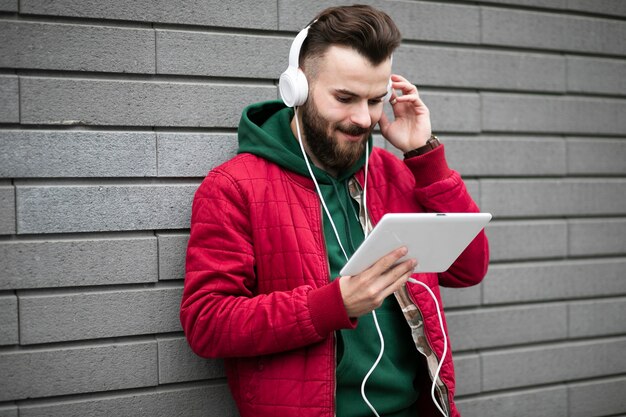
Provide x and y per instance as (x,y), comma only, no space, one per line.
(111,113)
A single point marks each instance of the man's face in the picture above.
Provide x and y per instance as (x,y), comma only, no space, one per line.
(344,105)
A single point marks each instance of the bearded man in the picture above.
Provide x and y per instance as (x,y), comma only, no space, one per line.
(272,228)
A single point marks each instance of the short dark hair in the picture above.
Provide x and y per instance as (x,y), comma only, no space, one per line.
(369,31)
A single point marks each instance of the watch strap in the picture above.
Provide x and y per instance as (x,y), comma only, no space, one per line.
(431,144)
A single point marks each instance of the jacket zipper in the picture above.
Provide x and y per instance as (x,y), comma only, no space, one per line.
(445,403)
(334,336)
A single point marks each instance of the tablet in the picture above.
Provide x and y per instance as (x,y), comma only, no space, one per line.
(434,239)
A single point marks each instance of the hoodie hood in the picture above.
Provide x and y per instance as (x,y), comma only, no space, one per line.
(265,131)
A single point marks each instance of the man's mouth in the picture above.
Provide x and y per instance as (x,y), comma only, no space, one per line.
(353,135)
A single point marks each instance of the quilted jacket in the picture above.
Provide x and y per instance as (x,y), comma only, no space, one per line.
(258,291)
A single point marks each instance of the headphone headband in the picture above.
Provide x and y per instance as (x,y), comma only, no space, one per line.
(294,52)
(293,85)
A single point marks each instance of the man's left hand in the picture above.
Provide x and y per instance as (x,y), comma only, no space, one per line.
(411,127)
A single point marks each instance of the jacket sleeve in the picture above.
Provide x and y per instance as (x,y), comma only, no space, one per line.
(439,189)
(220,313)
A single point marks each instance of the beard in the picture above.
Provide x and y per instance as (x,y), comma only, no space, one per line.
(321,141)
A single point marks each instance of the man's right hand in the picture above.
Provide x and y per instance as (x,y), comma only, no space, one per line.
(366,291)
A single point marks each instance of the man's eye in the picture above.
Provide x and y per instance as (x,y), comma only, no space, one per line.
(375,101)
(342,99)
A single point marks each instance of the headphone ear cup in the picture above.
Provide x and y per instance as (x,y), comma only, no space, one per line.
(293,87)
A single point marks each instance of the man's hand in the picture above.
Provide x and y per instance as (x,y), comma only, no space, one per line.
(411,127)
(366,291)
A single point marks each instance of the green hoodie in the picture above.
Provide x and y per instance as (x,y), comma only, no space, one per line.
(264,130)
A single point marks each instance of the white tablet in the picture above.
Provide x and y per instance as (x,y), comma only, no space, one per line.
(434,239)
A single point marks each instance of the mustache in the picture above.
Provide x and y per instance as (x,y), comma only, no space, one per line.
(353,130)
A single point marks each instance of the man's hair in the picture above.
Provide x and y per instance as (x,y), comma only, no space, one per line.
(368,31)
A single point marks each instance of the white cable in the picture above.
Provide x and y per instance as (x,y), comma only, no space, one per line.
(367,152)
(380,356)
(317,187)
(332,223)
(445,344)
(380,334)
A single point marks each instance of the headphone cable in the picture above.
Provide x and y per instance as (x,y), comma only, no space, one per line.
(412,280)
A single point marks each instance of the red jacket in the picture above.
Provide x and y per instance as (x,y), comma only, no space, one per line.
(257,287)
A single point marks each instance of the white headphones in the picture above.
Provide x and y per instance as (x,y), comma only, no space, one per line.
(293,86)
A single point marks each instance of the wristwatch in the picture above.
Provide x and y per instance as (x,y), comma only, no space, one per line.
(431,144)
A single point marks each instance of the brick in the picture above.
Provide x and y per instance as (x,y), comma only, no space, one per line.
(172,252)
(37,153)
(416,20)
(83,208)
(205,13)
(186,53)
(380,142)
(77,262)
(477,68)
(8,320)
(545,401)
(8,6)
(502,326)
(505,156)
(70,101)
(552,31)
(552,114)
(76,47)
(541,281)
(597,398)
(473,188)
(535,239)
(610,7)
(454,112)
(461,297)
(178,363)
(31,373)
(467,372)
(553,363)
(521,28)
(8,410)
(596,75)
(9,99)
(597,318)
(589,237)
(561,197)
(596,156)
(7,209)
(193,154)
(53,317)
(552,4)
(196,401)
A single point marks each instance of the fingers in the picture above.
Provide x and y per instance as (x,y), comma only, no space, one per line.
(366,291)
(400,273)
(392,280)
(386,262)
(398,82)
(388,274)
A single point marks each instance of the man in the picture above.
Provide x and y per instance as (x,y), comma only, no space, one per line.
(262,287)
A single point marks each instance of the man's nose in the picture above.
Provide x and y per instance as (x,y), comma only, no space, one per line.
(361,114)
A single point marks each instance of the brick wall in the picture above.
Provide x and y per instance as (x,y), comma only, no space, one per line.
(112,112)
